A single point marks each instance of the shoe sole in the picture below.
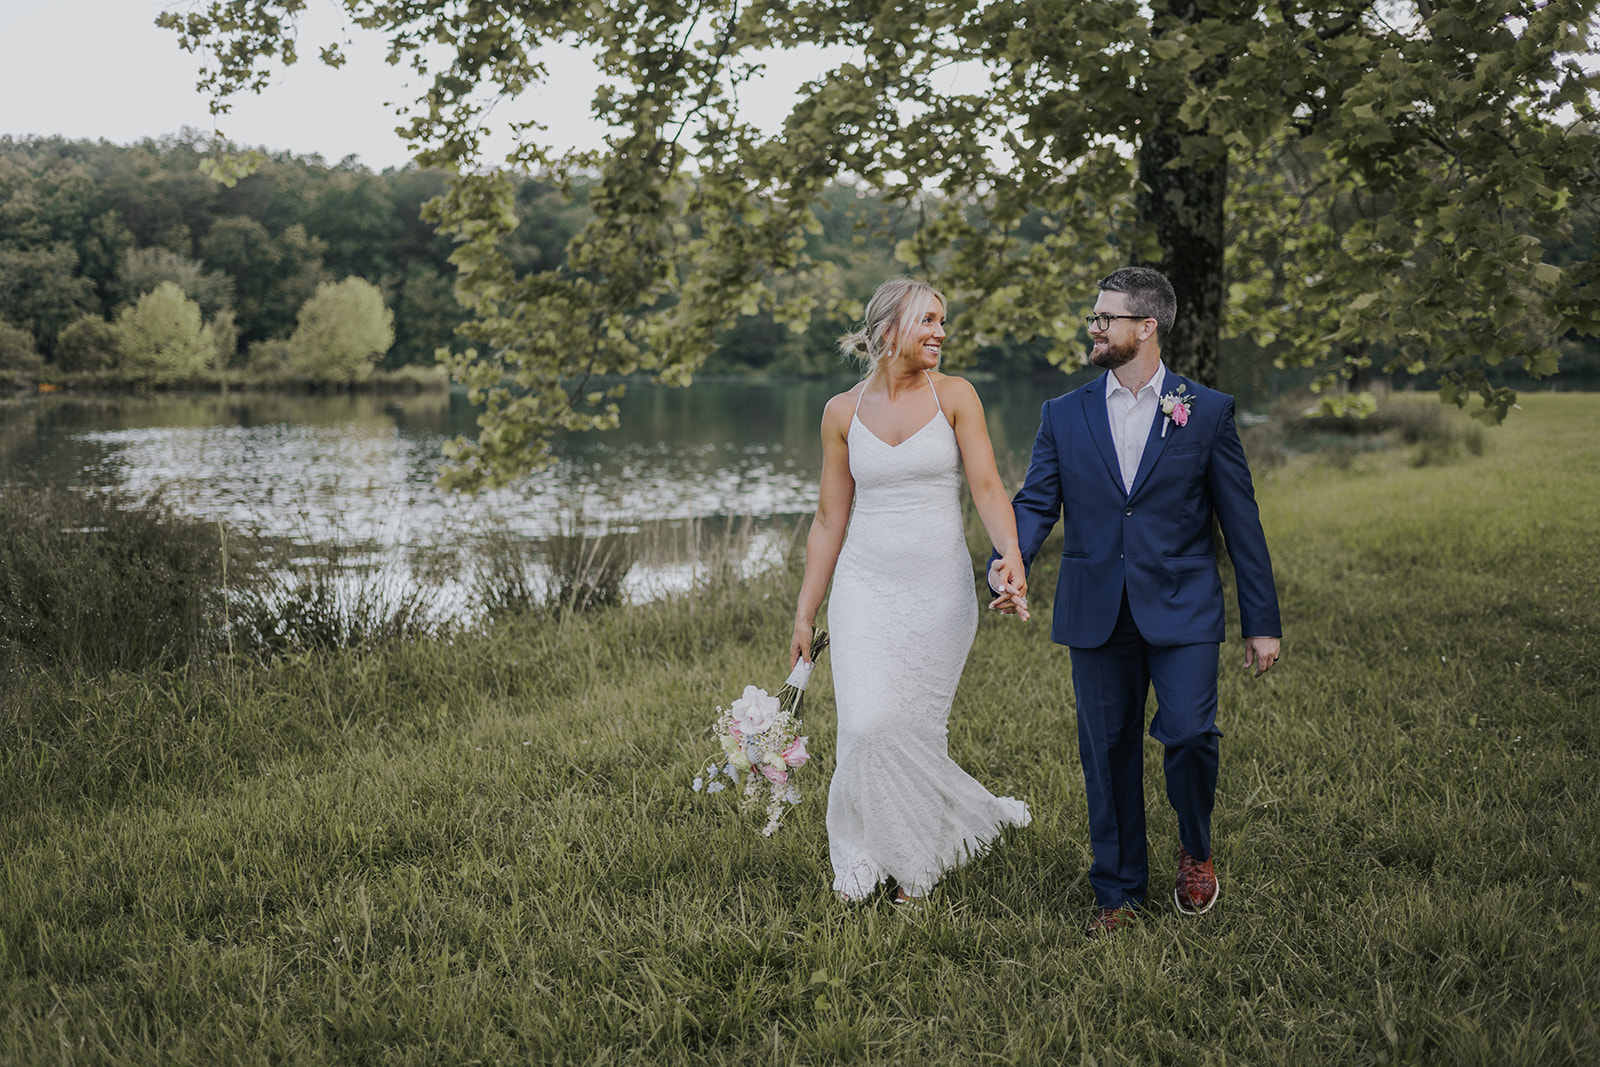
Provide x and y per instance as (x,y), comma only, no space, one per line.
(1195,911)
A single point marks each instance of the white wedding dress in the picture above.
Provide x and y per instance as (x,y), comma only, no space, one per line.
(902,616)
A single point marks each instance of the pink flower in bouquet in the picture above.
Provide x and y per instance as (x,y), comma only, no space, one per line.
(1180,413)
(795,755)
(775,775)
(754,711)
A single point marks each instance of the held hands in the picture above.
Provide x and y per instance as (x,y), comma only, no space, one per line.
(1262,651)
(1009,580)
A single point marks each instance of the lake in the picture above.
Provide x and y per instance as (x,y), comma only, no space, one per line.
(360,467)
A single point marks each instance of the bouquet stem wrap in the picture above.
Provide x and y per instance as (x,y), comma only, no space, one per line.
(794,687)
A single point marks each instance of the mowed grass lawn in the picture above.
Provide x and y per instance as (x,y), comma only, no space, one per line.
(486,849)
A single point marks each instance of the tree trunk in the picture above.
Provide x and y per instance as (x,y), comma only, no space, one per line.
(1184,204)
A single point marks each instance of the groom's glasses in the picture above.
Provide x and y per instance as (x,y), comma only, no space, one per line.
(1101,323)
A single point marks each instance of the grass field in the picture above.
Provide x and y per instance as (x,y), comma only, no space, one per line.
(484,848)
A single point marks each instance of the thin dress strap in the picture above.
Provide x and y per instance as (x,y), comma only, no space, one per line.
(857,412)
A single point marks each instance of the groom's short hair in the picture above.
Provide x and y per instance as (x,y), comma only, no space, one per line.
(1149,295)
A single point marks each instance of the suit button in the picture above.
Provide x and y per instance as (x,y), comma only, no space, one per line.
(1128,512)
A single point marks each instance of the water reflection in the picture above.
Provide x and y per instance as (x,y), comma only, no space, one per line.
(361,468)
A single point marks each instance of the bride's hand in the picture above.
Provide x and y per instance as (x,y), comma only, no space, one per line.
(1009,580)
(1007,575)
(800,644)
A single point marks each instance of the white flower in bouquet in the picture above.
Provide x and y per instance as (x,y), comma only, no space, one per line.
(762,744)
(755,711)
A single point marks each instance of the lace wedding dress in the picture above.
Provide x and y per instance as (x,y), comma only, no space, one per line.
(902,616)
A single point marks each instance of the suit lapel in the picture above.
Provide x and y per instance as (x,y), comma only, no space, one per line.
(1094,416)
(1156,443)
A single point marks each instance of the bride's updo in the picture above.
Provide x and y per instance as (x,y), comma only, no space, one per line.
(893,311)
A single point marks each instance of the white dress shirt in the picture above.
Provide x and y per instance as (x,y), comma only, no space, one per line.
(1131,417)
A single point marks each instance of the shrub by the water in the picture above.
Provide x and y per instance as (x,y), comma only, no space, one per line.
(89,344)
(17,351)
(1435,433)
(342,331)
(107,582)
(163,337)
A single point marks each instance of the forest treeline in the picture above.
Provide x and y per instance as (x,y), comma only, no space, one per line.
(90,230)
(127,263)
(103,244)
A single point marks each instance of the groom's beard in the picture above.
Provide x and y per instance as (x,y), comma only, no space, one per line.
(1112,355)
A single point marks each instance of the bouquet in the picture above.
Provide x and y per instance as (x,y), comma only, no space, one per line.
(762,745)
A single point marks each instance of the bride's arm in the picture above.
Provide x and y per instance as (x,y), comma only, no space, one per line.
(989,495)
(827,529)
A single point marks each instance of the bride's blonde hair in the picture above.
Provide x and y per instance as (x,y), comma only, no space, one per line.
(893,312)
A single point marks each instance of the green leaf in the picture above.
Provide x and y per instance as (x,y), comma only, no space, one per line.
(1417,167)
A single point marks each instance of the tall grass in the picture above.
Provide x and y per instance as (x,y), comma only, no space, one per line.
(337,594)
(107,582)
(588,570)
(111,581)
(483,848)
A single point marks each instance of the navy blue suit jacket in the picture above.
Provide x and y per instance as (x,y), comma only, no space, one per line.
(1155,540)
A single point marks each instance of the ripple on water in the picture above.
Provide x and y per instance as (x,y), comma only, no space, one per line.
(361,484)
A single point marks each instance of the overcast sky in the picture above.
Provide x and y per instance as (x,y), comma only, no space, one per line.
(92,69)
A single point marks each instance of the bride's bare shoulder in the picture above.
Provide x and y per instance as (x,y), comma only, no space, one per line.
(838,410)
(952,389)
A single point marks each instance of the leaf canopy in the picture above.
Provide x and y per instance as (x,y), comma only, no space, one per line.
(1350,184)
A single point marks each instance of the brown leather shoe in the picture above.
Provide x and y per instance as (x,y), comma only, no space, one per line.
(1196,889)
(1107,921)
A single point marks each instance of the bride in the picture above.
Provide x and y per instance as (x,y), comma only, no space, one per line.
(903,610)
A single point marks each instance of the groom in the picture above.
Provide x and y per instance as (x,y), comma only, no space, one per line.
(1136,464)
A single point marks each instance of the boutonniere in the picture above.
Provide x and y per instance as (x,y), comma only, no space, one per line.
(1176,407)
